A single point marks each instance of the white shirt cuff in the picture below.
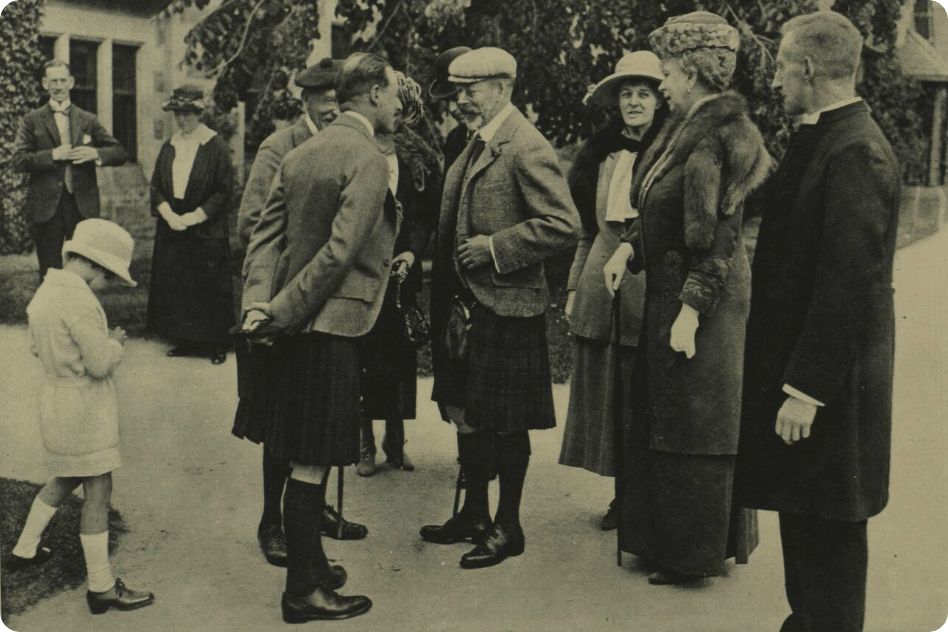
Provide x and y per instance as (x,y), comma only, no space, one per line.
(789,390)
(493,255)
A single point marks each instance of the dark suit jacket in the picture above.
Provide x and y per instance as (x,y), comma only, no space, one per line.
(822,321)
(517,193)
(35,141)
(265,166)
(321,252)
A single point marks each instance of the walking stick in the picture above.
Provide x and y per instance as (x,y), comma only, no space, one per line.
(457,491)
(617,448)
(339,499)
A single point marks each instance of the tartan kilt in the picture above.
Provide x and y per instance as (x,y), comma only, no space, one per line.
(310,405)
(508,382)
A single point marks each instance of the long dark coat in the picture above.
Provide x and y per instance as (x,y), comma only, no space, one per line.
(688,238)
(822,322)
(191,294)
(391,362)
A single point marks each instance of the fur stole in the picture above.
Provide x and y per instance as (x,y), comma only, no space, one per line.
(724,161)
(583,177)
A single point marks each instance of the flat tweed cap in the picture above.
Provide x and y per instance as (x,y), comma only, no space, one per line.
(692,31)
(481,64)
(320,76)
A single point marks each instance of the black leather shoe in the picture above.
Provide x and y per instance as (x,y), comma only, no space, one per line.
(14,563)
(272,544)
(119,597)
(218,355)
(181,351)
(610,521)
(498,546)
(666,577)
(336,579)
(457,529)
(323,605)
(329,526)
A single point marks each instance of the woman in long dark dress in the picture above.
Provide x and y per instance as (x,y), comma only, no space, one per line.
(678,466)
(599,181)
(389,359)
(190,299)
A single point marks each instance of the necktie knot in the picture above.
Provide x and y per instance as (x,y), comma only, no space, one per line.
(59,108)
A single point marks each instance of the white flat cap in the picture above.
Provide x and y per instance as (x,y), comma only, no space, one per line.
(481,64)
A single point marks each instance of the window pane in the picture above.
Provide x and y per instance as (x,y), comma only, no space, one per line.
(124,100)
(82,59)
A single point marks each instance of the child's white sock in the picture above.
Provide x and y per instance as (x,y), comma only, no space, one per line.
(95,547)
(39,516)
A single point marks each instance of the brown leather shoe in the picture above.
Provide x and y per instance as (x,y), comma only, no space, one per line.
(329,526)
(499,545)
(323,605)
(457,529)
(272,544)
(118,597)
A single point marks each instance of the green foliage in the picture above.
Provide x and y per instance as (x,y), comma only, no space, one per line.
(20,63)
(561,47)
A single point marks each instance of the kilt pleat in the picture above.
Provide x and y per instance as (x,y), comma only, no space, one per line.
(508,386)
(311,406)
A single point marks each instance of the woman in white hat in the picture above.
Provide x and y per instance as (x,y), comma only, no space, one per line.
(600,182)
(78,417)
(190,298)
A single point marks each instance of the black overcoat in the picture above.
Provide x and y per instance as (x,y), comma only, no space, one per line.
(822,322)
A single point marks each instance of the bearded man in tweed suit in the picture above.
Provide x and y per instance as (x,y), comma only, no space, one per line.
(506,208)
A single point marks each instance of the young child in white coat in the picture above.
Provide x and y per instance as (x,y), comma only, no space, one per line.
(78,407)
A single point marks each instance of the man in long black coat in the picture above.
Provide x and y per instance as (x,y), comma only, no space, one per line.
(816,423)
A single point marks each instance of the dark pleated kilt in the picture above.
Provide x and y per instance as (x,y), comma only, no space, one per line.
(191,296)
(391,366)
(309,407)
(508,384)
(252,370)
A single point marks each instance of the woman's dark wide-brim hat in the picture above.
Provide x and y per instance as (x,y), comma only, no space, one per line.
(188,98)
(693,31)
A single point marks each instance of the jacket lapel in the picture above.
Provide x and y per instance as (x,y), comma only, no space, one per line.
(50,121)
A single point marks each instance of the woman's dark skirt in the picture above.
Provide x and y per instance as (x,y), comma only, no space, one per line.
(391,366)
(306,408)
(676,510)
(507,386)
(191,296)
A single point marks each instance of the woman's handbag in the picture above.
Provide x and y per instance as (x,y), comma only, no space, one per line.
(415,325)
(457,330)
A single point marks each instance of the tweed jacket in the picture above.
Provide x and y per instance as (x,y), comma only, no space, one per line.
(822,321)
(516,193)
(36,138)
(321,252)
(265,166)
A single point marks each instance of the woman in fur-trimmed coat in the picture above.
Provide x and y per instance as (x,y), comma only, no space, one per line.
(678,465)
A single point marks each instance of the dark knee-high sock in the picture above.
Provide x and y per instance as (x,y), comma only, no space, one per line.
(303,507)
(511,458)
(275,472)
(474,451)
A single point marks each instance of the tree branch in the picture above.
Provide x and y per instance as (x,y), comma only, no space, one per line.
(243,40)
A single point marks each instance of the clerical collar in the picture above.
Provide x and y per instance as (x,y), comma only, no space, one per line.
(814,117)
(487,132)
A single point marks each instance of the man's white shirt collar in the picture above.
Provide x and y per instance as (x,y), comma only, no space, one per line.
(364,120)
(487,132)
(814,117)
(309,123)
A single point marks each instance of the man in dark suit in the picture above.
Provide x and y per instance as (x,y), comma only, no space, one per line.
(319,110)
(816,421)
(60,145)
(505,209)
(318,266)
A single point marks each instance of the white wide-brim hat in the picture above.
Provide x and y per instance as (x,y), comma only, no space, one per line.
(642,64)
(104,243)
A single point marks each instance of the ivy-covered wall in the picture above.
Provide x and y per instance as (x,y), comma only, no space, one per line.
(20,63)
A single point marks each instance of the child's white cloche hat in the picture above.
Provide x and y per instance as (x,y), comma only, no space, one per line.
(104,243)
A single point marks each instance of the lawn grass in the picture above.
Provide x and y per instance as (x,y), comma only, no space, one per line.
(66,567)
